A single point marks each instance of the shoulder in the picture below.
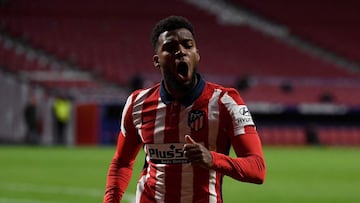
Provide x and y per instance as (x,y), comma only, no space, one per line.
(135,101)
(227,94)
(141,94)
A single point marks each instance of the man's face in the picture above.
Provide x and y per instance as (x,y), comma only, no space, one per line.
(177,57)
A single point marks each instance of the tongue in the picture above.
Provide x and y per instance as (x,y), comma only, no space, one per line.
(182,70)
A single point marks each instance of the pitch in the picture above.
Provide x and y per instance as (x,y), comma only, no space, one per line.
(78,175)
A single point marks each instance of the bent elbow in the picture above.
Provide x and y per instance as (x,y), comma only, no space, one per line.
(261,178)
(260,175)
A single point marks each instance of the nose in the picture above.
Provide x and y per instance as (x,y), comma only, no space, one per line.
(180,51)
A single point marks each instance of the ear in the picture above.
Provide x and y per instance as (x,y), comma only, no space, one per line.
(156,61)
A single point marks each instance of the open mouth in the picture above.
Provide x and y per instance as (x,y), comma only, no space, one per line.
(182,70)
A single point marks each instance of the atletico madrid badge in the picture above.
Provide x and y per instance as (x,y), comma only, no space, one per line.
(196,119)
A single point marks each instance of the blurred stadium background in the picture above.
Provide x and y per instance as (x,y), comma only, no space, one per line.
(296,64)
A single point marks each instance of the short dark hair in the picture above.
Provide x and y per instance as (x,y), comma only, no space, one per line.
(167,24)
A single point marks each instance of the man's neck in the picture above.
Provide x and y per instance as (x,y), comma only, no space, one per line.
(178,94)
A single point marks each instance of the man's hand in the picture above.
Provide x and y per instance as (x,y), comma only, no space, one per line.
(197,154)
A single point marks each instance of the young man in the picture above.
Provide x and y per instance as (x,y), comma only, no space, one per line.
(186,126)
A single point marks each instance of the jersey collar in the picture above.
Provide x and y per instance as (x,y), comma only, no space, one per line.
(187,100)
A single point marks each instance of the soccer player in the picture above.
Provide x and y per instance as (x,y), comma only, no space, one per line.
(186,126)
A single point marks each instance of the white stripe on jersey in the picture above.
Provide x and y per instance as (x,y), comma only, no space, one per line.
(137,109)
(126,108)
(213,118)
(140,185)
(160,185)
(159,138)
(212,189)
(187,181)
(160,122)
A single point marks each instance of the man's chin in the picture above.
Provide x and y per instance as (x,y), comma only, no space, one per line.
(185,85)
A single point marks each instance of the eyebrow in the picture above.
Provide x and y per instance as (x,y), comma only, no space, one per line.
(170,40)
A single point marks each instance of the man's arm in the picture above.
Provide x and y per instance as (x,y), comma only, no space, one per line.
(249,166)
(120,169)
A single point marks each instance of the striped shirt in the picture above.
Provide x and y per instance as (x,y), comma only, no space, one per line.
(212,115)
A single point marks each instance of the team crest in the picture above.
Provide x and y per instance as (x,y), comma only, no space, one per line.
(196,119)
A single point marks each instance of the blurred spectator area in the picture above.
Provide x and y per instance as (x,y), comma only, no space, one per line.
(112,40)
(296,136)
(331,24)
(91,44)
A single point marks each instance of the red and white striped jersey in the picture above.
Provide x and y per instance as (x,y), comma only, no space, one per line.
(212,115)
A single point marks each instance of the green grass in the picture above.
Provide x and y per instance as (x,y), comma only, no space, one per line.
(78,175)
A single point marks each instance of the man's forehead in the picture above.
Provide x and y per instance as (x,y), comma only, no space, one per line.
(177,33)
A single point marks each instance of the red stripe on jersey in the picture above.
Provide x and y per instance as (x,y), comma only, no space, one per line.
(201,184)
(173,183)
(171,135)
(199,124)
